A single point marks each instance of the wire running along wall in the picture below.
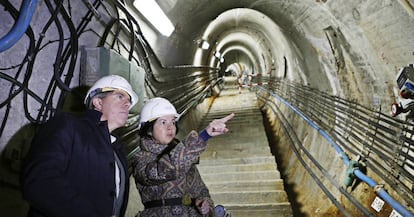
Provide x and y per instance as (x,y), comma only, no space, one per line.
(383,143)
(53,46)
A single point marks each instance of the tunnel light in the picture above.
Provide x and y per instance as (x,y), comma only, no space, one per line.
(217,54)
(204,45)
(152,11)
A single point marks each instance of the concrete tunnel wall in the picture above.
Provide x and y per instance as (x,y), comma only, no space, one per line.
(348,48)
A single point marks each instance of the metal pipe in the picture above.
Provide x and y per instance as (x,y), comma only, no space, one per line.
(20,27)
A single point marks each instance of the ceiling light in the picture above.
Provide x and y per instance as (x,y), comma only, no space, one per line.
(205,45)
(154,14)
(217,54)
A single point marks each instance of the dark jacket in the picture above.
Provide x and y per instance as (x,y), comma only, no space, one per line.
(70,168)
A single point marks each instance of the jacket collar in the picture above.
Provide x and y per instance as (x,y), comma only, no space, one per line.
(93,115)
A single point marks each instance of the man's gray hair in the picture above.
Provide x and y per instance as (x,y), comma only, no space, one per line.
(100,95)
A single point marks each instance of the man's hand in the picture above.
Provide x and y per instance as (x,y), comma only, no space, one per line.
(218,126)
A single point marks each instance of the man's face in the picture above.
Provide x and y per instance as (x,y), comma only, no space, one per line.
(115,109)
(164,129)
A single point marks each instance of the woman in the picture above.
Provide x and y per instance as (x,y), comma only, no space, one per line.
(164,169)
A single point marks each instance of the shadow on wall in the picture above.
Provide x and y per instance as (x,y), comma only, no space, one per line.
(289,186)
(11,162)
(11,159)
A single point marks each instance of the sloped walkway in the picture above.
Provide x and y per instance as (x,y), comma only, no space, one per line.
(238,167)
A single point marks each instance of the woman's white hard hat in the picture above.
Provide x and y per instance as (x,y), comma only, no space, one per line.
(111,83)
(155,108)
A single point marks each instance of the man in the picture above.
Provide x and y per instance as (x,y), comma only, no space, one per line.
(75,167)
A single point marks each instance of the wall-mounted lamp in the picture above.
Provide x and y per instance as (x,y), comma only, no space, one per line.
(204,45)
(217,54)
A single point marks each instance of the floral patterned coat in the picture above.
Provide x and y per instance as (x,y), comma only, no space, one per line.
(171,175)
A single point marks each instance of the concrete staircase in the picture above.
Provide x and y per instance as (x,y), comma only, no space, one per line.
(238,167)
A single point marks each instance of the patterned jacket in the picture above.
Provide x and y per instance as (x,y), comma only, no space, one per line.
(172,175)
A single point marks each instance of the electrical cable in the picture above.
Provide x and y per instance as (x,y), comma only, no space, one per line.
(401,187)
(384,195)
(294,140)
(26,13)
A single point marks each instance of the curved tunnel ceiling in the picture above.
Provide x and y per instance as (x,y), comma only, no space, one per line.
(246,33)
(239,54)
(288,30)
(238,47)
(245,44)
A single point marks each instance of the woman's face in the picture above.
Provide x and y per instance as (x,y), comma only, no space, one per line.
(164,129)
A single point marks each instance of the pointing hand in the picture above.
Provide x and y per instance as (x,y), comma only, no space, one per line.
(218,126)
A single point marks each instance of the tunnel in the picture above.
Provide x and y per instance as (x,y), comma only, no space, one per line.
(326,86)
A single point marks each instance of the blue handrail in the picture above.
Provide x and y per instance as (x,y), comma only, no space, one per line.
(380,191)
(20,27)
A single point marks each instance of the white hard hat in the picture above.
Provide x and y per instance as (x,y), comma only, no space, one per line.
(110,83)
(155,108)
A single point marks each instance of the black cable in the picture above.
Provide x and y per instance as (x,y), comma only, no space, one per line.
(70,53)
(370,130)
(287,128)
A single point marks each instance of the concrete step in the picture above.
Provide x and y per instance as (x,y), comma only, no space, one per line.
(250,197)
(251,114)
(282,209)
(237,160)
(206,169)
(238,167)
(248,124)
(243,175)
(236,144)
(242,185)
(234,133)
(241,152)
(252,138)
(239,117)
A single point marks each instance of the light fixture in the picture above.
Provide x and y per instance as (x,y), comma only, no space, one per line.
(153,13)
(204,45)
(217,54)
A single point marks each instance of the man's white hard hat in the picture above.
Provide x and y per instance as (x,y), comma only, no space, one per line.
(111,83)
(155,108)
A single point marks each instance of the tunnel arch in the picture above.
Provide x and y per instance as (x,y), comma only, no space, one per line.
(256,35)
(239,58)
(245,44)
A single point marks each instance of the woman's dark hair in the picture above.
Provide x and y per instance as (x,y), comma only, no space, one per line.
(146,129)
